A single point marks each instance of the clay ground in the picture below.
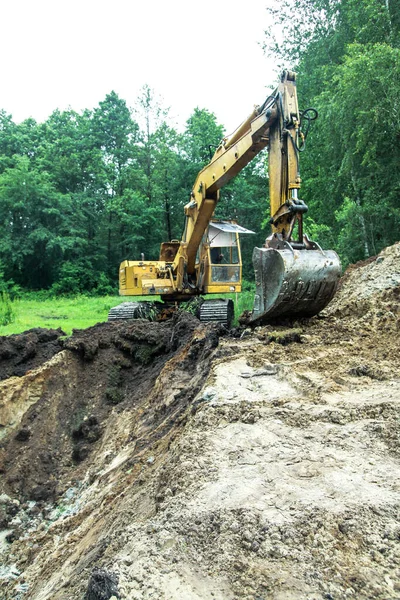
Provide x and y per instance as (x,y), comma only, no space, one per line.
(180,461)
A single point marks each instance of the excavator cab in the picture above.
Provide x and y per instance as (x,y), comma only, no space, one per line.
(219,260)
(219,269)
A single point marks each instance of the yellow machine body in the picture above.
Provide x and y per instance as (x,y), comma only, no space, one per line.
(218,267)
(140,278)
(294,276)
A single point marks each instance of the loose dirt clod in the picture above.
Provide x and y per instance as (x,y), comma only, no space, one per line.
(102,585)
(171,461)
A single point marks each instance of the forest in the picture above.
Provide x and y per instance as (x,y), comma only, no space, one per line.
(82,191)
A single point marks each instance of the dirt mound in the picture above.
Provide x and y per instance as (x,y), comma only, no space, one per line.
(107,369)
(25,351)
(165,461)
(371,288)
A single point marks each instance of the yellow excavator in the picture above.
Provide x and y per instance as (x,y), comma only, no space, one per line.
(294,277)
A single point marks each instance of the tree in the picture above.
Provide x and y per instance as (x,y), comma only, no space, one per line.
(362,115)
(347,60)
(161,166)
(17,140)
(169,167)
(116,134)
(201,138)
(34,229)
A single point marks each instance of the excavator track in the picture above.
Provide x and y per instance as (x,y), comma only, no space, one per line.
(210,311)
(217,311)
(133,310)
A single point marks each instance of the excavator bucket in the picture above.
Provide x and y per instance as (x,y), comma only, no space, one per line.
(293,283)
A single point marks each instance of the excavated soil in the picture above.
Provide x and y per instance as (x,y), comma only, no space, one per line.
(180,461)
(107,370)
(26,351)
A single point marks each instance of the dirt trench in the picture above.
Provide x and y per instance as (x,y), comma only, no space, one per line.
(173,460)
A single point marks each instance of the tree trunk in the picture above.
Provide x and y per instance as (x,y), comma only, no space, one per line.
(363,226)
(110,219)
(168,217)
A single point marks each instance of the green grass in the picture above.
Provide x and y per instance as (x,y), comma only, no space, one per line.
(68,313)
(244,301)
(82,311)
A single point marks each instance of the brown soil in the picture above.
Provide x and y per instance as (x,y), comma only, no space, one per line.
(108,369)
(163,461)
(26,351)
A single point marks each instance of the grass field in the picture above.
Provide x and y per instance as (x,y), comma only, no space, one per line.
(79,312)
(68,313)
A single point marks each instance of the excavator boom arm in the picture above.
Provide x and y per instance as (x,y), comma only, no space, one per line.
(229,159)
(278,117)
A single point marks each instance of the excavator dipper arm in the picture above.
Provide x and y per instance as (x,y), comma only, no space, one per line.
(293,277)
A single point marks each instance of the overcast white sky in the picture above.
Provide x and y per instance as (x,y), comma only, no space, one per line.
(206,53)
